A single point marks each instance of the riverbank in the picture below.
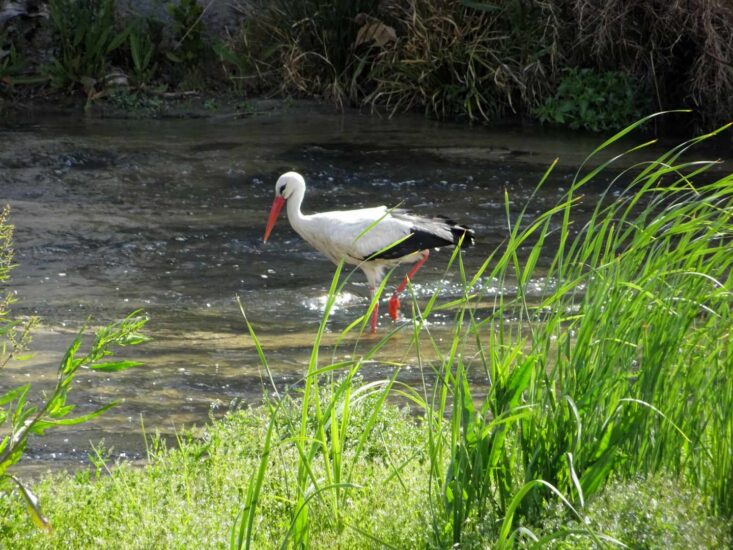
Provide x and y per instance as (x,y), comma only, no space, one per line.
(557,63)
(190,497)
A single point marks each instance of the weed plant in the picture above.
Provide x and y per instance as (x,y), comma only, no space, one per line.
(143,45)
(187,30)
(679,53)
(468,59)
(304,47)
(12,63)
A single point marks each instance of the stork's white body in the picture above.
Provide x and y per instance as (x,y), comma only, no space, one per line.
(353,235)
(374,239)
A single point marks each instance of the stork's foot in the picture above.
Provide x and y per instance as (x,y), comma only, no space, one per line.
(394,307)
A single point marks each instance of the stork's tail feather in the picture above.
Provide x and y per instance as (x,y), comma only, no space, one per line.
(459,232)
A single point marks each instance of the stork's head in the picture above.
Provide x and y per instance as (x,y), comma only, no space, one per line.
(288,184)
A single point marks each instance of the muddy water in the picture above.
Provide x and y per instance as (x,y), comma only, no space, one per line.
(168,216)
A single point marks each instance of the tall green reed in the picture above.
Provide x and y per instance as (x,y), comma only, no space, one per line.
(621,367)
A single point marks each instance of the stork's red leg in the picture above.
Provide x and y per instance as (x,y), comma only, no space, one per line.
(394,301)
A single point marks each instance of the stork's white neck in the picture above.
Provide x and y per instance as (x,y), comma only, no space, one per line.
(295,216)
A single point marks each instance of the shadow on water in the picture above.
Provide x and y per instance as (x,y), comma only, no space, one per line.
(168,216)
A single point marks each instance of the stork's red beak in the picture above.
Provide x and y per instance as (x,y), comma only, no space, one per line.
(277,205)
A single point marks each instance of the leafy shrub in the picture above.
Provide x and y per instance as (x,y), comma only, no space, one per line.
(11,63)
(680,50)
(187,31)
(594,100)
(143,49)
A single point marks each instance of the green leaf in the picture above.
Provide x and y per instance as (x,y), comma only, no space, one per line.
(33,505)
(133,339)
(594,476)
(173,57)
(114,366)
(42,425)
(225,53)
(13,394)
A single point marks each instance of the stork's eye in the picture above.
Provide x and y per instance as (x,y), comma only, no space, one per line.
(281,189)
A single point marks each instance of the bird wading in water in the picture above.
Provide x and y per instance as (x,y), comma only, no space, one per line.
(373,239)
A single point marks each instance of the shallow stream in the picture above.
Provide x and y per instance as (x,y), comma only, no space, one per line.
(168,216)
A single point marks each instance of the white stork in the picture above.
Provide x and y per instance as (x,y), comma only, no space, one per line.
(374,239)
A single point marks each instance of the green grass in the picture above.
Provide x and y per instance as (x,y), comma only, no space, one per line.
(189,497)
(620,371)
(653,512)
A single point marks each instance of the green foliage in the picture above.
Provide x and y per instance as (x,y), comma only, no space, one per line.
(187,497)
(237,67)
(587,382)
(680,55)
(136,104)
(187,32)
(593,100)
(143,43)
(19,417)
(86,36)
(582,381)
(14,334)
(473,59)
(11,63)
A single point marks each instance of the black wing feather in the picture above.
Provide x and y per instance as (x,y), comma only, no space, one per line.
(426,233)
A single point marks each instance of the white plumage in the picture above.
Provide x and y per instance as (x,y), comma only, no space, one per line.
(374,239)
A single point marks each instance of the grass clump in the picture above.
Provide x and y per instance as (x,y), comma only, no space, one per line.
(679,53)
(467,59)
(86,36)
(302,48)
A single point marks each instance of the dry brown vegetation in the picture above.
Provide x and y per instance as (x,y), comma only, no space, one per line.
(473,59)
(682,50)
(482,60)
